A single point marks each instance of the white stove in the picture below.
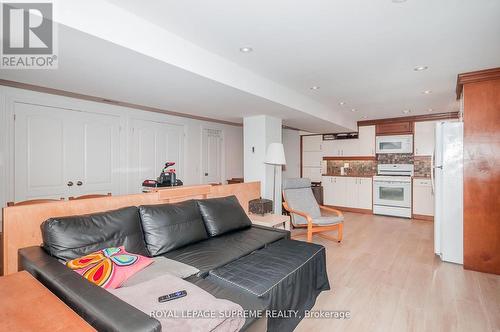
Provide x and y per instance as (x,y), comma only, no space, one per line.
(392,190)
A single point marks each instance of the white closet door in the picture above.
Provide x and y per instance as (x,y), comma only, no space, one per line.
(40,152)
(61,153)
(152,144)
(97,139)
(175,147)
(212,155)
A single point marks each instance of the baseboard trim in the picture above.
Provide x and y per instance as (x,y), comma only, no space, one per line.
(423,217)
(348,209)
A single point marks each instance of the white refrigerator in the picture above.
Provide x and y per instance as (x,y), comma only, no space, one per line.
(447,184)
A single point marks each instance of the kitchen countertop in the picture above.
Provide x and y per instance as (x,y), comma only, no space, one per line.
(349,176)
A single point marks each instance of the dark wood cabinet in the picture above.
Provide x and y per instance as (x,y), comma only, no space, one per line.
(481,104)
(394,128)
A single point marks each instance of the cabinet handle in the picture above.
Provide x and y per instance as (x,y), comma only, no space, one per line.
(79,183)
(70,183)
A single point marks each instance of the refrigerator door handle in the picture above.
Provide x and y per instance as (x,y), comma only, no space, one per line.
(432,170)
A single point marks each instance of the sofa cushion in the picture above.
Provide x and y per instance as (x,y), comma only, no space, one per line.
(71,237)
(170,226)
(218,251)
(223,214)
(159,267)
(110,267)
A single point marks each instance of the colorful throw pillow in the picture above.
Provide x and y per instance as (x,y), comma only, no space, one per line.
(110,267)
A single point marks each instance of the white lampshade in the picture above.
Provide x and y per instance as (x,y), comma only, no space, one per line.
(275,154)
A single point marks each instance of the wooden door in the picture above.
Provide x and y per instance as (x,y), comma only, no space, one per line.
(482,174)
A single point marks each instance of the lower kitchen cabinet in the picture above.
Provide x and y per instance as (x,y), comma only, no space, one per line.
(313,173)
(344,191)
(423,197)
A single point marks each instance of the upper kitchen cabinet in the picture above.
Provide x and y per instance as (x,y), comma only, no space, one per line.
(395,128)
(366,141)
(362,146)
(424,138)
(312,143)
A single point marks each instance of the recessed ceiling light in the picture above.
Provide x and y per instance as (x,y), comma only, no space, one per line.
(342,103)
(399,1)
(246,49)
(315,87)
(427,92)
(420,68)
(353,110)
(364,117)
(430,110)
(406,111)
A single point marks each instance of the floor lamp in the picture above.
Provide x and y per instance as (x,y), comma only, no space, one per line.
(275,156)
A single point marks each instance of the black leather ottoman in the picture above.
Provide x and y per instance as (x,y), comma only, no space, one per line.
(287,275)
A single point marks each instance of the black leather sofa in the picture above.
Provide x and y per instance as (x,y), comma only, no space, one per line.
(257,267)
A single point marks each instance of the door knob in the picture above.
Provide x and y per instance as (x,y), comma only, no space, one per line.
(70,183)
(79,183)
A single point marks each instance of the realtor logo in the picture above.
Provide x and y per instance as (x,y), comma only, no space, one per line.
(28,36)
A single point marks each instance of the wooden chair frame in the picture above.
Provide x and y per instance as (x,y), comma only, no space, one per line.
(315,228)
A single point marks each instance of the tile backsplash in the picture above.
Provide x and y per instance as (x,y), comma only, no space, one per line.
(356,167)
(395,158)
(422,165)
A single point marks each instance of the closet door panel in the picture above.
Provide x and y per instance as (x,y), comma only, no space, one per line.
(39,152)
(100,152)
(152,144)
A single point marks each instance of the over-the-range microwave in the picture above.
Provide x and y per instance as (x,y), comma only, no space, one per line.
(394,144)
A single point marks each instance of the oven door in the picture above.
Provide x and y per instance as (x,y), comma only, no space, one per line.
(392,193)
(394,144)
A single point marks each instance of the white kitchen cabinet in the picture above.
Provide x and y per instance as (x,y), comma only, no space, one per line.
(345,191)
(424,138)
(364,145)
(364,199)
(366,141)
(312,158)
(339,147)
(328,195)
(313,173)
(334,190)
(312,143)
(339,197)
(61,153)
(423,197)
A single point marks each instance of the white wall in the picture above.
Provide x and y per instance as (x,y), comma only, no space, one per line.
(259,132)
(291,143)
(233,135)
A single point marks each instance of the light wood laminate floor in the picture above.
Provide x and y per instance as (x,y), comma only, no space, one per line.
(385,272)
